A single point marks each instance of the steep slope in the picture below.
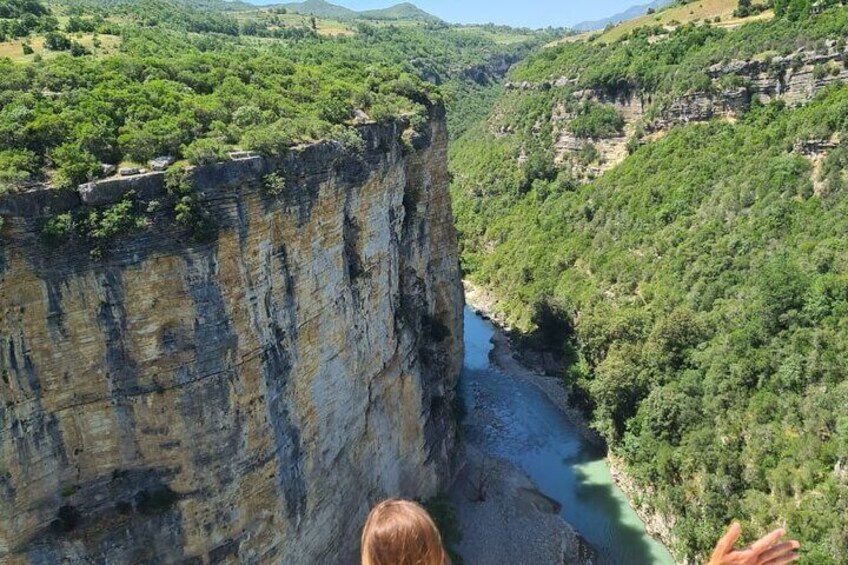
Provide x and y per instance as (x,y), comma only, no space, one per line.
(664,213)
(243,399)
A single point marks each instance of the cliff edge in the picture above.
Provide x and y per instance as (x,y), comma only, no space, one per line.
(243,399)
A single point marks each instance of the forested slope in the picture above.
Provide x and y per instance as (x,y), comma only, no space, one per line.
(193,80)
(698,288)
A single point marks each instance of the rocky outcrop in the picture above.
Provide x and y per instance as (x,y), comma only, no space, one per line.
(794,79)
(245,399)
(571,151)
(493,70)
(701,107)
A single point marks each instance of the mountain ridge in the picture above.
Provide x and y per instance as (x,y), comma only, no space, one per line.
(629,14)
(324,9)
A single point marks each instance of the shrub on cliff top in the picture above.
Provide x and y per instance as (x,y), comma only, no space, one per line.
(188,209)
(73,164)
(205,151)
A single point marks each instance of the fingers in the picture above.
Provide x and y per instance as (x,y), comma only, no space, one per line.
(779,549)
(766,542)
(787,558)
(785,552)
(725,544)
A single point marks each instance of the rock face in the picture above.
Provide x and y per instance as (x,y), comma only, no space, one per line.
(246,399)
(794,79)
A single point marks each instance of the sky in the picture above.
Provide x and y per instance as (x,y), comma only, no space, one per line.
(518,13)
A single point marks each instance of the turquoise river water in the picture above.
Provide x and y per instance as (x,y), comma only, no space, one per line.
(526,428)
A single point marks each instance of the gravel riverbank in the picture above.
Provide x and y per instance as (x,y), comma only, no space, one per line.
(514,523)
(506,359)
(504,517)
(503,357)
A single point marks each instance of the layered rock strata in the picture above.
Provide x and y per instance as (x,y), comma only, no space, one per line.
(245,399)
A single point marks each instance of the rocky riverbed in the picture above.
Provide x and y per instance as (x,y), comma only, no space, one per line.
(525,444)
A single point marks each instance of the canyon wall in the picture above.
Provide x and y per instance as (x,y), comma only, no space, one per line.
(794,79)
(245,399)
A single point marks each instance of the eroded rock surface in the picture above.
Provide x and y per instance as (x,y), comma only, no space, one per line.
(241,400)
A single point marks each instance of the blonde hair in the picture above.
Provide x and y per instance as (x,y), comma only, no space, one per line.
(399,532)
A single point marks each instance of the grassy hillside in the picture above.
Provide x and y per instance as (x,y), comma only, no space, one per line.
(698,292)
(719,12)
(631,13)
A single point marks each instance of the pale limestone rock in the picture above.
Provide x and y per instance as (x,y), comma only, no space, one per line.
(241,400)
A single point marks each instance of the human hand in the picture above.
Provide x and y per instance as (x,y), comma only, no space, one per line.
(766,551)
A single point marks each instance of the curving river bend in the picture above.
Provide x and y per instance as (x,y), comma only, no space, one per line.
(524,427)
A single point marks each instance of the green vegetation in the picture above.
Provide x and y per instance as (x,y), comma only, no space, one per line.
(697,292)
(596,121)
(801,9)
(708,293)
(19,18)
(675,64)
(192,81)
(188,209)
(274,184)
(96,228)
(444,515)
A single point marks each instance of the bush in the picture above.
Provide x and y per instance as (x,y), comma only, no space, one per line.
(16,166)
(205,151)
(188,210)
(78,24)
(73,165)
(269,140)
(597,121)
(78,50)
(58,230)
(274,184)
(161,136)
(118,219)
(55,41)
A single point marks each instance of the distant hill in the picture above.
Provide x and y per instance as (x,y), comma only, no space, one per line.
(629,14)
(405,11)
(320,9)
(323,9)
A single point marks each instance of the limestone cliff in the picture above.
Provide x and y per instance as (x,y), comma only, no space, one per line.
(241,400)
(733,86)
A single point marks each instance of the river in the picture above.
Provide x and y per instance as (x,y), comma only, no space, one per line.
(524,426)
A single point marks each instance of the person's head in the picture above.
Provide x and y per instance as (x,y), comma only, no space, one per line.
(398,532)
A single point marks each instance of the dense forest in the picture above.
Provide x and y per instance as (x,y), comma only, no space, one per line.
(697,292)
(189,81)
